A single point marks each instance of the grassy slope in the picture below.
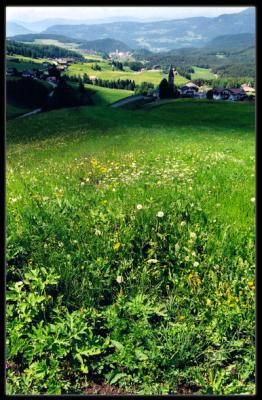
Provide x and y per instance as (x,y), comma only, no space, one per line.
(14,111)
(74,179)
(107,73)
(202,73)
(25,63)
(102,96)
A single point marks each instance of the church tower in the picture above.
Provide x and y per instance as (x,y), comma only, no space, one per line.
(171,77)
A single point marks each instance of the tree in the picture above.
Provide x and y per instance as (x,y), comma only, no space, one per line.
(81,88)
(164,89)
(210,94)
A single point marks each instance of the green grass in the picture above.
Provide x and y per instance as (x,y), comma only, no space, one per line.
(106,73)
(101,283)
(25,63)
(202,73)
(14,111)
(102,96)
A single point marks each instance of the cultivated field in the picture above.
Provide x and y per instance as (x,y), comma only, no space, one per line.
(106,73)
(202,73)
(102,96)
(130,250)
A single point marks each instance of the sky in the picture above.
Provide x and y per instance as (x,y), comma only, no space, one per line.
(32,14)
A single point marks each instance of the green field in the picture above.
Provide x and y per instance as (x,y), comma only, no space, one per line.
(106,73)
(14,111)
(130,250)
(25,63)
(202,73)
(102,96)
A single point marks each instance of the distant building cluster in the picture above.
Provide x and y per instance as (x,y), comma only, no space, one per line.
(119,54)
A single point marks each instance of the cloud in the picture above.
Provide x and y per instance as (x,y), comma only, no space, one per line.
(89,13)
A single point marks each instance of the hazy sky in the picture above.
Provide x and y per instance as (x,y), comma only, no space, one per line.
(96,13)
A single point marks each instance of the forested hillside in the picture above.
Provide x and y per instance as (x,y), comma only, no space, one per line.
(37,50)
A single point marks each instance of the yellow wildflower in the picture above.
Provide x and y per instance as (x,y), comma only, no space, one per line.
(117,245)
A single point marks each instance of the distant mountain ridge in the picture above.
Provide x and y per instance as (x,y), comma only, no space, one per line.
(12,29)
(163,35)
(101,45)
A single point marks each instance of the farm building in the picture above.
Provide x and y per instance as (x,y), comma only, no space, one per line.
(248,89)
(237,94)
(52,79)
(189,89)
(30,73)
(221,94)
(11,71)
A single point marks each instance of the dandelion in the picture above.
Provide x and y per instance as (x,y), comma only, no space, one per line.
(117,245)
(119,279)
(160,214)
(181,318)
(139,206)
(196,264)
(208,302)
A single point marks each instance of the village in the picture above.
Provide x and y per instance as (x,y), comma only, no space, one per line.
(52,69)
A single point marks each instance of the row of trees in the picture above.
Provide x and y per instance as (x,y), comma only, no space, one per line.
(117,65)
(65,95)
(26,92)
(225,83)
(40,51)
(115,84)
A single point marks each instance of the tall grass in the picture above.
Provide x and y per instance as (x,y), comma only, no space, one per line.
(147,218)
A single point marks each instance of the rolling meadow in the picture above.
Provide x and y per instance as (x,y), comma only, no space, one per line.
(130,248)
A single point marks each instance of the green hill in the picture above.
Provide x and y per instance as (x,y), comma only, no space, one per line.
(130,250)
(232,42)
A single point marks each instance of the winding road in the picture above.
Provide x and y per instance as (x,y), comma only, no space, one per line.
(38,110)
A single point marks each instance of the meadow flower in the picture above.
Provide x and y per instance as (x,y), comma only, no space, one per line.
(139,206)
(253,199)
(98,232)
(152,261)
(119,279)
(160,214)
(183,223)
(117,245)
(208,302)
(193,235)
(196,264)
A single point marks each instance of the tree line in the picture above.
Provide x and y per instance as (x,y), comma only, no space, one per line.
(40,51)
(113,84)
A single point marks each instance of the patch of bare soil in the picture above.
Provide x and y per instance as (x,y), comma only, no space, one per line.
(103,388)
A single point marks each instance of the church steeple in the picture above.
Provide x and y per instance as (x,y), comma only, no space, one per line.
(171,76)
